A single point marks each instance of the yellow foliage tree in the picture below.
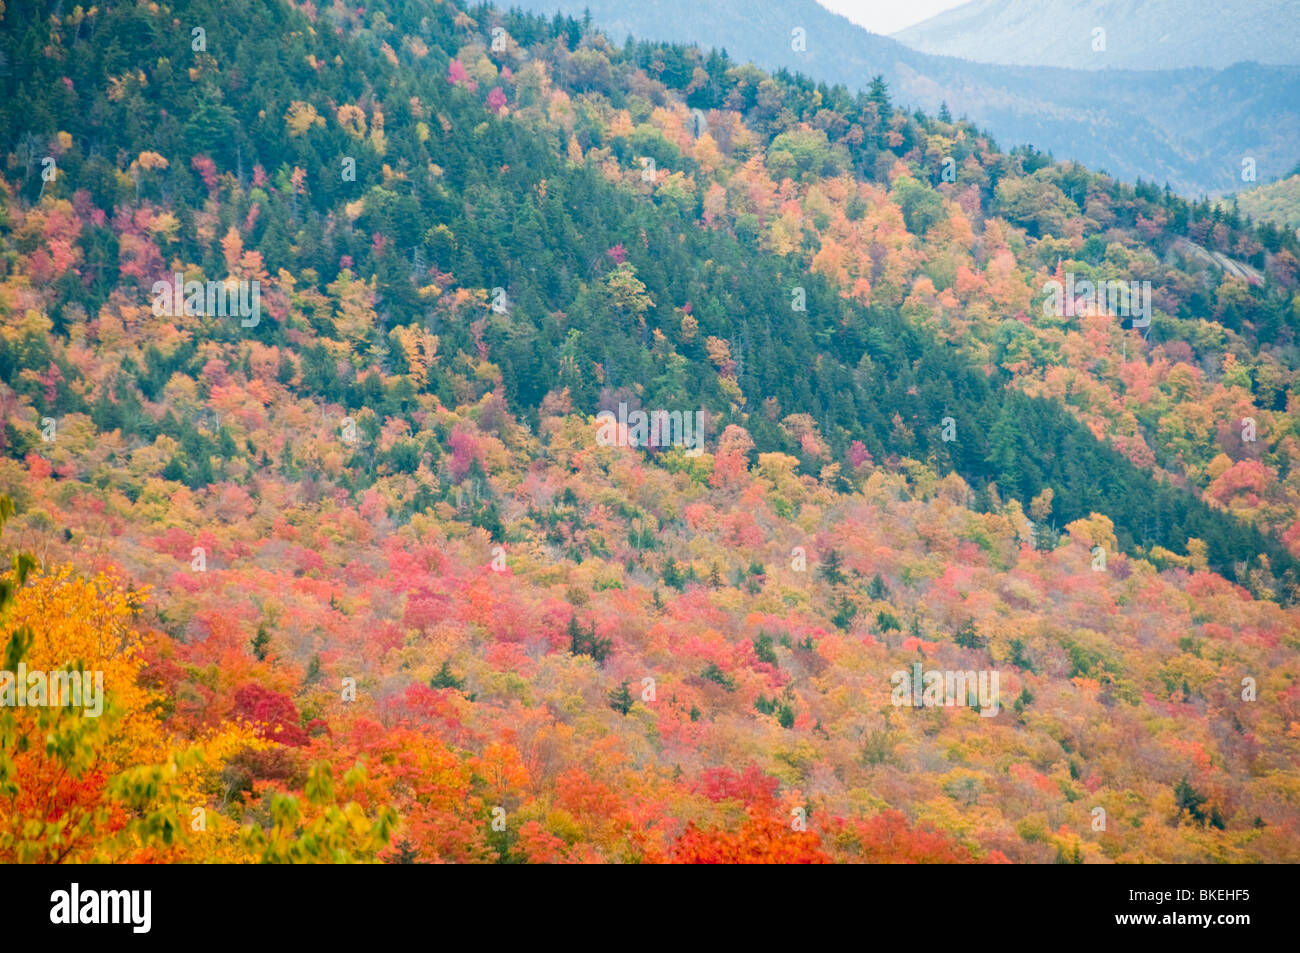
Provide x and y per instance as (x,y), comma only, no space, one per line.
(90,774)
(300,117)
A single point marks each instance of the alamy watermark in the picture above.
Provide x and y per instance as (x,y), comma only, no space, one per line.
(130,907)
(214,299)
(1124,299)
(938,688)
(656,428)
(38,689)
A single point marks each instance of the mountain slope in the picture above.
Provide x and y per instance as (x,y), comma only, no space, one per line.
(375,558)
(1138,35)
(1187,127)
(1277,202)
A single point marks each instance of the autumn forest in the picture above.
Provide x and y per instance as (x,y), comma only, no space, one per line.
(395,553)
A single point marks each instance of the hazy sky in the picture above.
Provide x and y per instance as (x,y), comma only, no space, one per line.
(888,16)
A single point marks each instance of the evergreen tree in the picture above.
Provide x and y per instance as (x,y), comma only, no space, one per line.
(260,642)
(967,637)
(444,678)
(879,95)
(830,567)
(672,576)
(845,611)
(620,699)
(1189,800)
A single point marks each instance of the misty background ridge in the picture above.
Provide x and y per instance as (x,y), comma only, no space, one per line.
(1190,127)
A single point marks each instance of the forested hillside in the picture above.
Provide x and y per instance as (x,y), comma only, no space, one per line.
(1277,202)
(367,585)
(1184,124)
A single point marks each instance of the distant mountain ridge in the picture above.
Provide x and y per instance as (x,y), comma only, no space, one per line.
(1138,34)
(1189,128)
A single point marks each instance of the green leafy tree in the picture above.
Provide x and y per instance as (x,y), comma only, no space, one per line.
(317,828)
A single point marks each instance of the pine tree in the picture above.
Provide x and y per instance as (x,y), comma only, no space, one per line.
(260,642)
(671,574)
(715,674)
(575,636)
(407,853)
(1018,657)
(830,568)
(598,648)
(620,699)
(967,637)
(588,643)
(844,614)
(1189,800)
(879,94)
(763,649)
(445,678)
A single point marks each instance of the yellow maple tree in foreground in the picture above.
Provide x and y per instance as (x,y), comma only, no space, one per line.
(94,777)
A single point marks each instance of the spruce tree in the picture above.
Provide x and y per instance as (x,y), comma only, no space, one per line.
(260,643)
(830,568)
(620,699)
(967,637)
